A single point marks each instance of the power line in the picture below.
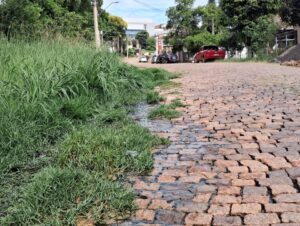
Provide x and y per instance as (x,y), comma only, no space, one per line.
(148,6)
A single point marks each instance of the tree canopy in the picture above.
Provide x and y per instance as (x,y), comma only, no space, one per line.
(290,11)
(142,37)
(69,18)
(183,21)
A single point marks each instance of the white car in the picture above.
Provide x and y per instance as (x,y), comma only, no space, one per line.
(143,59)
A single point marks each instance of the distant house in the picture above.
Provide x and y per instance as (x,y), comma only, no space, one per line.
(160,33)
(131,32)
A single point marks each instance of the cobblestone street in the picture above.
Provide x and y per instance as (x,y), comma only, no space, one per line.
(234,157)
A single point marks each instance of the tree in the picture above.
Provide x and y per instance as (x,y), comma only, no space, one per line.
(211,16)
(290,12)
(151,44)
(245,15)
(194,43)
(183,21)
(142,37)
(69,18)
(260,32)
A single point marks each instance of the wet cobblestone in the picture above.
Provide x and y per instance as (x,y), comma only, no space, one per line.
(234,157)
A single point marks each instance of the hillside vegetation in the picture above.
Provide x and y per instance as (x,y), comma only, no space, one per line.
(66,139)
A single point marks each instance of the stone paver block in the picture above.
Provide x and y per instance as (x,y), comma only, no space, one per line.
(169,217)
(288,198)
(229,190)
(252,190)
(282,207)
(255,166)
(276,163)
(294,172)
(256,199)
(226,163)
(147,215)
(242,182)
(282,189)
(142,203)
(166,179)
(290,217)
(261,219)
(226,199)
(227,221)
(249,208)
(219,209)
(160,204)
(202,198)
(189,206)
(140,185)
(198,219)
(238,169)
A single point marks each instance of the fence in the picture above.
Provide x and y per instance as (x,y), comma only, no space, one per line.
(286,38)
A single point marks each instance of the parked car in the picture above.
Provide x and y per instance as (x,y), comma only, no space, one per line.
(167,58)
(143,59)
(154,59)
(209,53)
(173,58)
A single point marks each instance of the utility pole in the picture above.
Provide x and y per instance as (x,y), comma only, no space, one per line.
(98,35)
(96,25)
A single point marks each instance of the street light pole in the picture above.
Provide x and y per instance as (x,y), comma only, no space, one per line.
(101,32)
(98,34)
(96,25)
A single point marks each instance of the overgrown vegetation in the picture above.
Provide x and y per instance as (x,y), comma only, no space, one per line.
(65,138)
(33,19)
(167,111)
(231,24)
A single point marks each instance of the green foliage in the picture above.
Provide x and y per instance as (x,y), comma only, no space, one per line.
(167,111)
(194,43)
(49,18)
(142,37)
(211,17)
(154,98)
(65,105)
(132,52)
(113,26)
(246,16)
(260,32)
(183,21)
(151,44)
(290,11)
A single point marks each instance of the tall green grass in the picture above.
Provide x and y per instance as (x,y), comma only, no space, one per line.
(65,134)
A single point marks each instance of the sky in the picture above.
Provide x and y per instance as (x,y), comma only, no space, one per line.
(144,11)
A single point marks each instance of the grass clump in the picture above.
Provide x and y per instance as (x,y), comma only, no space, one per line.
(65,132)
(58,196)
(109,150)
(167,111)
(154,98)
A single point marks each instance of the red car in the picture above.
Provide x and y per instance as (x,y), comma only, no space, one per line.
(209,53)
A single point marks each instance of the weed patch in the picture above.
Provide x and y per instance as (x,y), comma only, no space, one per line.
(154,98)
(167,111)
(65,134)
